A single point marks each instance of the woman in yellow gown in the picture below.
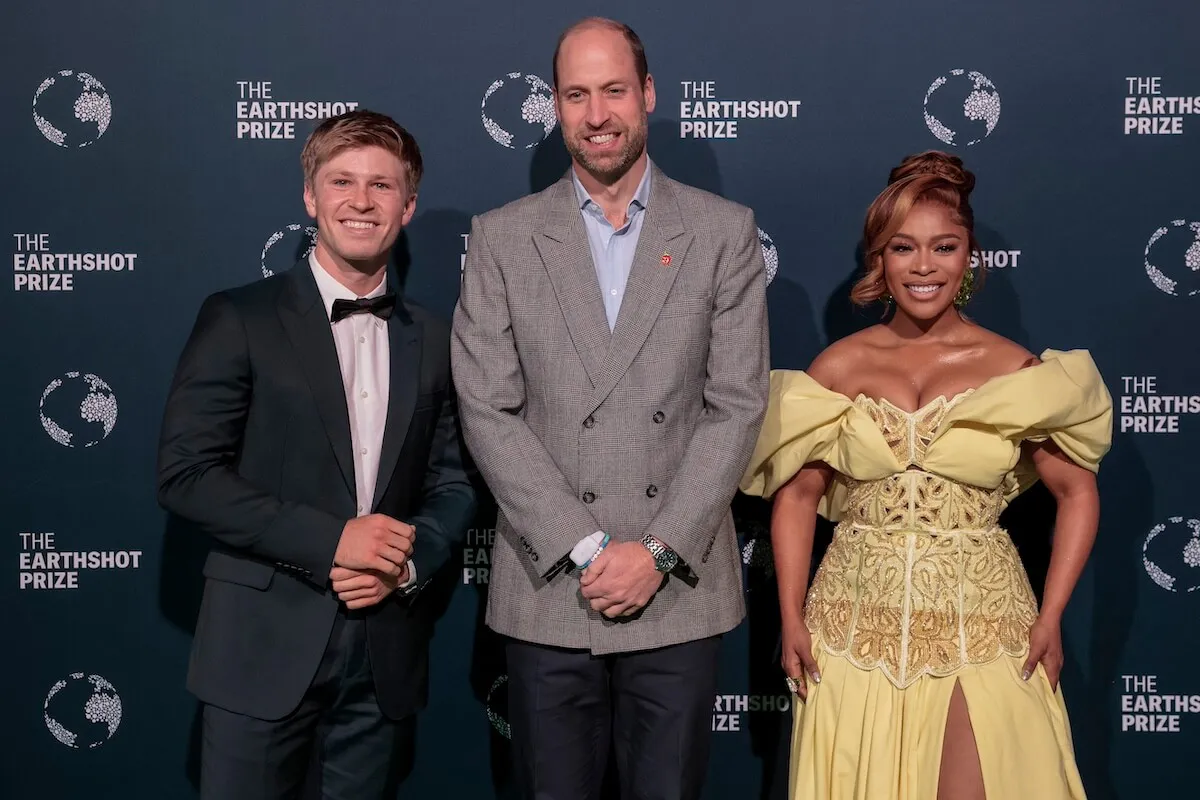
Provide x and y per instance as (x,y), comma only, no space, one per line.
(925,669)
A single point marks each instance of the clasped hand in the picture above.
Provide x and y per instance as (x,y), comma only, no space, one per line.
(621,581)
(371,559)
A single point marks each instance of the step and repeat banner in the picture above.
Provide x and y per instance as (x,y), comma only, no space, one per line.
(151,154)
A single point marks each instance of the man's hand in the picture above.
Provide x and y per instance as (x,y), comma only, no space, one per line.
(622,579)
(375,542)
(361,589)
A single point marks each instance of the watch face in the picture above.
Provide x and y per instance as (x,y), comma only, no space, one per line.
(666,561)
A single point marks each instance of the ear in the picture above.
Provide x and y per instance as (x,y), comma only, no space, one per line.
(310,200)
(648,94)
(410,208)
(557,104)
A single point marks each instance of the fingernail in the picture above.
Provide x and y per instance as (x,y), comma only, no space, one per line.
(816,676)
(1025,675)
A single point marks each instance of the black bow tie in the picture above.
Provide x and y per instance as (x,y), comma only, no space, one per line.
(380,306)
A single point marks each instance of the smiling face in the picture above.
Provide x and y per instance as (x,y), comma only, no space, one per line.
(601,103)
(361,201)
(924,262)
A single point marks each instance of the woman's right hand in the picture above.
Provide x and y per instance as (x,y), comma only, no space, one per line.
(798,660)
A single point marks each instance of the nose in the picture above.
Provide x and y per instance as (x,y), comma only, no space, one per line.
(361,200)
(597,111)
(923,264)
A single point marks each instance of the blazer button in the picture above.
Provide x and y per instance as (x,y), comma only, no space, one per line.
(651,490)
(659,417)
(588,497)
(589,422)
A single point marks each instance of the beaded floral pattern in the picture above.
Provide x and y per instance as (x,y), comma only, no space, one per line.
(919,579)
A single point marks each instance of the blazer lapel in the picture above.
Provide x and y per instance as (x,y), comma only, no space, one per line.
(303,317)
(563,245)
(404,379)
(663,235)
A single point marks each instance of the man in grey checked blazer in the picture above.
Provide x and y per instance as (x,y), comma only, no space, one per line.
(610,355)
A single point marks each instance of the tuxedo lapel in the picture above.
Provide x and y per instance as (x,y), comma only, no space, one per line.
(404,379)
(661,250)
(563,245)
(304,320)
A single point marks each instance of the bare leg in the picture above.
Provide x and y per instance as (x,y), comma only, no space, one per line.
(961,777)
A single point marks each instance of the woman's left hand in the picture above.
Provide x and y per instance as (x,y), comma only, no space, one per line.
(1045,645)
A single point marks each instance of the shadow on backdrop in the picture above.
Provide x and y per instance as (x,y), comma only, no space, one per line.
(1090,689)
(842,317)
(489,672)
(435,250)
(690,161)
(549,163)
(180,589)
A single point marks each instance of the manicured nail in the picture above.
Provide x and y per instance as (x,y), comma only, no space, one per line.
(816,676)
(1025,675)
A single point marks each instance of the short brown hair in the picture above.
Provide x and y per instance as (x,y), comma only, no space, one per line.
(635,43)
(929,177)
(361,128)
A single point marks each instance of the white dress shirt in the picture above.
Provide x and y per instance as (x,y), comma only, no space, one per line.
(362,347)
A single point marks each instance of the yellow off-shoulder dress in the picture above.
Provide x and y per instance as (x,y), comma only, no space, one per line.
(919,588)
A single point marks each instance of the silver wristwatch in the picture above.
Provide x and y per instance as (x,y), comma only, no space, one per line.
(665,558)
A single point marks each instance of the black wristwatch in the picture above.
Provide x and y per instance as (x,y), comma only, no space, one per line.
(665,559)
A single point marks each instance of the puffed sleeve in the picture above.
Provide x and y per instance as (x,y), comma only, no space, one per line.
(804,423)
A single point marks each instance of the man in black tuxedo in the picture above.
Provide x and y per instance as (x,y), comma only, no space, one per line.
(312,431)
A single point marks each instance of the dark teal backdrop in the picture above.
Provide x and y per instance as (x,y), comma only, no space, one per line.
(138,179)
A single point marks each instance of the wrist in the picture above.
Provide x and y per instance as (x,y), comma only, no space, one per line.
(1050,617)
(665,559)
(793,616)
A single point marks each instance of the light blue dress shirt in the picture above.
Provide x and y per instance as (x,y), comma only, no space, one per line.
(613,248)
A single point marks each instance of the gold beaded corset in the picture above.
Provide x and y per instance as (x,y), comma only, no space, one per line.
(918,579)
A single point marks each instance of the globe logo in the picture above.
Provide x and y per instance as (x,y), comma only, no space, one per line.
(300,241)
(78,410)
(770,254)
(82,711)
(962,99)
(756,548)
(1173,258)
(518,111)
(1174,544)
(495,717)
(71,109)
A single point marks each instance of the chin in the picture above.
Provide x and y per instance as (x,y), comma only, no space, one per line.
(923,314)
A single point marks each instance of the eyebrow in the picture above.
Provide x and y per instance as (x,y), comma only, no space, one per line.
(939,237)
(580,87)
(344,173)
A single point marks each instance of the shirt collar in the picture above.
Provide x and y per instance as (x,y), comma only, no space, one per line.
(331,289)
(641,197)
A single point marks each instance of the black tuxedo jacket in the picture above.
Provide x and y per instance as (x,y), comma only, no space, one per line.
(255,450)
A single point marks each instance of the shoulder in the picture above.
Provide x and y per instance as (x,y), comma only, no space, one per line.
(530,208)
(1003,354)
(842,359)
(248,298)
(695,202)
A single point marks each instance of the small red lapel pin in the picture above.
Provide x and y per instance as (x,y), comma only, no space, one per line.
(666,259)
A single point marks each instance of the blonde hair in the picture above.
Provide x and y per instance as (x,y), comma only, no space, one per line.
(361,128)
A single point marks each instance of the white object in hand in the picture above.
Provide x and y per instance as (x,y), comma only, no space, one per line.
(587,549)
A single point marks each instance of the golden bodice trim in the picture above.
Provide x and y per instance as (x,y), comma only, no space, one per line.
(918,579)
(909,434)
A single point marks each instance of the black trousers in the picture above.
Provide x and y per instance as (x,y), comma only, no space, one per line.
(652,709)
(339,721)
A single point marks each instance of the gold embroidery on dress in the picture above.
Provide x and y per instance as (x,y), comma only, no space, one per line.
(919,579)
